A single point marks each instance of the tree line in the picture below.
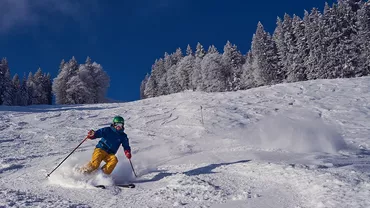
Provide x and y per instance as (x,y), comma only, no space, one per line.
(34,89)
(75,84)
(332,44)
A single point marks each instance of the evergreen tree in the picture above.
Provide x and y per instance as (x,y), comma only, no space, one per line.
(265,58)
(213,74)
(8,93)
(184,70)
(72,80)
(363,40)
(232,61)
(16,90)
(39,95)
(77,92)
(196,76)
(3,80)
(24,95)
(47,88)
(314,34)
(247,79)
(86,75)
(348,48)
(189,51)
(150,88)
(283,38)
(281,45)
(173,79)
(162,84)
(101,83)
(212,49)
(298,52)
(142,87)
(66,71)
(153,84)
(30,88)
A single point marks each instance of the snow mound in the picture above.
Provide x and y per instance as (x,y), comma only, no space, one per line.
(296,132)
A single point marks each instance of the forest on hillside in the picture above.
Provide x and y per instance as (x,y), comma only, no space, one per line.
(332,44)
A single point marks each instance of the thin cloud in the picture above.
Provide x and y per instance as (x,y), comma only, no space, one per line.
(18,13)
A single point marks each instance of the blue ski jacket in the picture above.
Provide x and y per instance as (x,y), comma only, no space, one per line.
(111,139)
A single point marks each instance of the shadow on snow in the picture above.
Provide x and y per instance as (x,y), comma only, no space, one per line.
(197,171)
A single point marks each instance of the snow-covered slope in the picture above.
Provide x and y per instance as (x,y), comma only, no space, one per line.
(290,145)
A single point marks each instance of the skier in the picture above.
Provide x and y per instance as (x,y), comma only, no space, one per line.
(111,138)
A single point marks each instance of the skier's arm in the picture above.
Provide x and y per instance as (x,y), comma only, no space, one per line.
(95,134)
(99,133)
(126,145)
(127,148)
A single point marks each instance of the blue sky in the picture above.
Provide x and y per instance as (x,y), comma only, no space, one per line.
(126,37)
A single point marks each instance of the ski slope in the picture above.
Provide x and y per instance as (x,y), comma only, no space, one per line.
(290,145)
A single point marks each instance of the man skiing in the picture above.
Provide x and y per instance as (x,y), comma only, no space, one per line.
(111,139)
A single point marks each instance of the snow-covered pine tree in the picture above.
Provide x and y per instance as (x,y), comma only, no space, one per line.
(30,88)
(333,64)
(61,65)
(47,88)
(283,37)
(363,40)
(24,92)
(3,69)
(152,86)
(162,83)
(265,58)
(75,93)
(60,83)
(8,94)
(86,74)
(185,69)
(101,83)
(247,79)
(142,86)
(16,84)
(314,35)
(189,50)
(348,47)
(39,95)
(298,52)
(232,61)
(278,37)
(212,49)
(173,80)
(196,76)
(213,75)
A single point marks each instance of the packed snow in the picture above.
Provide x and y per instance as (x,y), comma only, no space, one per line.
(302,145)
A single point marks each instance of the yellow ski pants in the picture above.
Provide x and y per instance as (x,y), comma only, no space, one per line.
(98,156)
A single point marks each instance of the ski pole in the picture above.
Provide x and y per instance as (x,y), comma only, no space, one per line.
(132,168)
(66,157)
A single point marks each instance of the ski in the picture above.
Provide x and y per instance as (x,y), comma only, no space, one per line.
(129,185)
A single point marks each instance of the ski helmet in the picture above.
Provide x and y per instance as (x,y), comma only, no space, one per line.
(118,119)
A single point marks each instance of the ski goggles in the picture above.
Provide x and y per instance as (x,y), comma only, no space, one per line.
(119,124)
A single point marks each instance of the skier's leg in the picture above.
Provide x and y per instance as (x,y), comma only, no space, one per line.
(111,162)
(97,157)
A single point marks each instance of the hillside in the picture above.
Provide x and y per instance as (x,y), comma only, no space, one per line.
(290,145)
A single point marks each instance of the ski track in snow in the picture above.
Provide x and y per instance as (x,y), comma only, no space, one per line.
(290,145)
